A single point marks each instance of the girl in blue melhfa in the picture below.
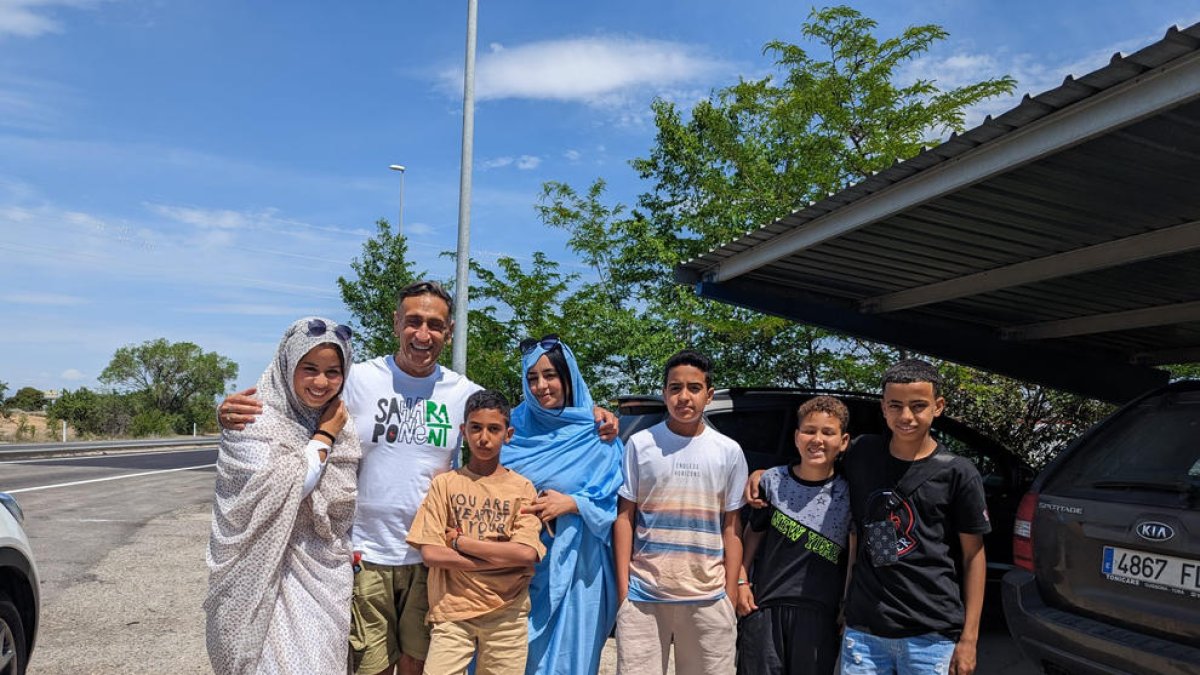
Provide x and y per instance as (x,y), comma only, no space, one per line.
(573,594)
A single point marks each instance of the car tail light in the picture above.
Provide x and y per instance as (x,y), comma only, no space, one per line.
(1023,532)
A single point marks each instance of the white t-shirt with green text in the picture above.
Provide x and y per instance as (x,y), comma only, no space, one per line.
(409,427)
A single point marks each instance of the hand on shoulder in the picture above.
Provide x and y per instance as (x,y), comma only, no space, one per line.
(238,410)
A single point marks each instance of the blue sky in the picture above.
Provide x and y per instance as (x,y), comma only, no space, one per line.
(203,170)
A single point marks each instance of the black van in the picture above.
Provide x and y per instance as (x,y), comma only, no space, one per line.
(763,421)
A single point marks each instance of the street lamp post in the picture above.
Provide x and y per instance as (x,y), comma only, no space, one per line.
(400,223)
(458,346)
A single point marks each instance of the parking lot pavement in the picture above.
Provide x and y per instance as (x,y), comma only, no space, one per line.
(136,611)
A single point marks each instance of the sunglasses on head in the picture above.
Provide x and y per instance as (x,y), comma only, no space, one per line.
(317,328)
(547,343)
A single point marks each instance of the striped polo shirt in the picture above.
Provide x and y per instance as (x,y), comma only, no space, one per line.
(683,486)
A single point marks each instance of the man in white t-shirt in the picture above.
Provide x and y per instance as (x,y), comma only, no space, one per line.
(408,412)
(677,538)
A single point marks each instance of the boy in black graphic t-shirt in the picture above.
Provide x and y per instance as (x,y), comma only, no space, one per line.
(915,505)
(797,551)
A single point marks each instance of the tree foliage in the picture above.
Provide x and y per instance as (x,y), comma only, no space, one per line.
(1033,421)
(380,272)
(94,413)
(748,154)
(835,110)
(170,386)
(753,152)
(29,399)
(169,374)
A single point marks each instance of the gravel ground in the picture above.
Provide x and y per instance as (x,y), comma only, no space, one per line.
(138,610)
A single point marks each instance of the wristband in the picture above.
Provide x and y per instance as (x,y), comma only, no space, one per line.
(326,434)
(454,543)
(743,582)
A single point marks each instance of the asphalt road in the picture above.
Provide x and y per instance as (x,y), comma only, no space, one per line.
(120,545)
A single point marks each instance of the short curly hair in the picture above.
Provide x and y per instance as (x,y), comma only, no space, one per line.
(488,399)
(908,371)
(826,404)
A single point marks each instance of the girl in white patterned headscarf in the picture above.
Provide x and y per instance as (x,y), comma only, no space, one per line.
(279,557)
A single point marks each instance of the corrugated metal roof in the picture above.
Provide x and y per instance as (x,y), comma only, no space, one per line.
(1137,177)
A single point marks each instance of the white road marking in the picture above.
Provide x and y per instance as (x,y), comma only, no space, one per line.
(107,453)
(101,480)
(106,520)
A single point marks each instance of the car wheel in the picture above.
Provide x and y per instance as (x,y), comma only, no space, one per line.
(12,639)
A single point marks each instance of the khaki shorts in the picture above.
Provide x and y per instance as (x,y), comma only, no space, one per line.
(500,637)
(388,616)
(704,635)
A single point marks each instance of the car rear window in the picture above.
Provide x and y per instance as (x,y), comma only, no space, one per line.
(1152,448)
(756,430)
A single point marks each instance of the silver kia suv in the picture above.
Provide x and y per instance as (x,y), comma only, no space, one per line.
(1106,546)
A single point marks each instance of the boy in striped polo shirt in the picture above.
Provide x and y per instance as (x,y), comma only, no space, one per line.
(677,534)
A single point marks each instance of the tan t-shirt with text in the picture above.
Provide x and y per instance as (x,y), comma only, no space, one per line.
(483,507)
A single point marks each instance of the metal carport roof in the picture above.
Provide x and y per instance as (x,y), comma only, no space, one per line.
(1057,243)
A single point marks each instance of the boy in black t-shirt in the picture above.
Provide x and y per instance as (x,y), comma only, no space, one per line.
(798,551)
(914,505)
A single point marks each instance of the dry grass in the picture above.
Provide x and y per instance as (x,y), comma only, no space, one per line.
(22,427)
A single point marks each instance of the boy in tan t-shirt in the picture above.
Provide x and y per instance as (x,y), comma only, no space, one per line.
(480,550)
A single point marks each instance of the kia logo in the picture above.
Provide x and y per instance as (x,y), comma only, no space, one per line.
(1155,531)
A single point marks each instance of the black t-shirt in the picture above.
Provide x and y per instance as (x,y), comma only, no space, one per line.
(921,592)
(802,557)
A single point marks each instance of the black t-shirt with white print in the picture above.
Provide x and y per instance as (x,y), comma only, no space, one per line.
(803,556)
(920,593)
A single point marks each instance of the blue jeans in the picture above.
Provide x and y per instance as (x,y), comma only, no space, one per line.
(866,654)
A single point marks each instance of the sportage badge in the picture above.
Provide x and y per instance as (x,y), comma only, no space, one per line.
(1155,531)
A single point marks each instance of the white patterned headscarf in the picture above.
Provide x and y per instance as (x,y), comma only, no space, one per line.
(280,577)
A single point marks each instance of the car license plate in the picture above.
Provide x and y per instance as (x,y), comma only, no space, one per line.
(1153,570)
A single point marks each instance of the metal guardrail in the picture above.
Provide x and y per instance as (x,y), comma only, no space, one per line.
(13,450)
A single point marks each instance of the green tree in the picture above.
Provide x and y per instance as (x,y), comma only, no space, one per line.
(760,149)
(29,399)
(748,154)
(93,413)
(3,401)
(530,304)
(624,343)
(175,379)
(381,271)
(1033,421)
(755,151)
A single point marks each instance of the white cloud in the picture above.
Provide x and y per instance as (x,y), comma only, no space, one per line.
(1033,76)
(418,229)
(495,163)
(572,155)
(41,299)
(31,18)
(592,70)
(123,251)
(72,375)
(524,162)
(247,309)
(267,219)
(31,105)
(221,219)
